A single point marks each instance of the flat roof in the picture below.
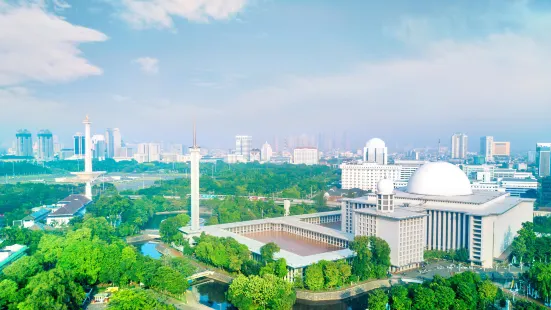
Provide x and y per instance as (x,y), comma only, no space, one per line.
(400,213)
(478,197)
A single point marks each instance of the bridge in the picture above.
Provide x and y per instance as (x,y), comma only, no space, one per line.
(145,236)
(201,274)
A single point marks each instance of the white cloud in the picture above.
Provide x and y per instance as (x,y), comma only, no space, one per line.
(39,46)
(148,65)
(160,13)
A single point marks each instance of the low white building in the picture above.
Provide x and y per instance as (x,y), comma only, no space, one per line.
(68,208)
(235,158)
(483,222)
(366,175)
(408,167)
(306,156)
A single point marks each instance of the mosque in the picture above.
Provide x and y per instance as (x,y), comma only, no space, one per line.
(437,210)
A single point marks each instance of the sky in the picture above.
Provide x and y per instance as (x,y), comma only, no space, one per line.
(409,72)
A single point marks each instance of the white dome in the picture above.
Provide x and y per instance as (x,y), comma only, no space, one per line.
(385,187)
(439,179)
(375,143)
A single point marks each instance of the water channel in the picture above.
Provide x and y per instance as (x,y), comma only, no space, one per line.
(213,294)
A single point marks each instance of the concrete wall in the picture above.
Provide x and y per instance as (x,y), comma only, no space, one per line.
(508,224)
(342,294)
(389,230)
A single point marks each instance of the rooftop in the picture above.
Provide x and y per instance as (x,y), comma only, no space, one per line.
(71,205)
(400,213)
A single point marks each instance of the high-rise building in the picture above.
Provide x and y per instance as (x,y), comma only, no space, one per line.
(460,144)
(408,167)
(113,142)
(501,149)
(79,144)
(375,151)
(543,159)
(45,145)
(365,176)
(243,146)
(255,155)
(24,146)
(306,156)
(99,147)
(486,148)
(266,152)
(148,152)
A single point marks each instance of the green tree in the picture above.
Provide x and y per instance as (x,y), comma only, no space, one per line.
(377,300)
(313,278)
(280,269)
(8,293)
(169,228)
(462,255)
(266,292)
(467,292)
(22,269)
(540,275)
(487,292)
(445,296)
(424,299)
(331,274)
(267,252)
(399,298)
(130,299)
(345,270)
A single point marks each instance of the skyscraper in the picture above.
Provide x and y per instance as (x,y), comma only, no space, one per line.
(113,142)
(487,148)
(45,145)
(24,146)
(460,143)
(266,152)
(99,147)
(243,146)
(79,144)
(543,159)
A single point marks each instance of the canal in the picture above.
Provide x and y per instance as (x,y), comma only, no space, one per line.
(213,294)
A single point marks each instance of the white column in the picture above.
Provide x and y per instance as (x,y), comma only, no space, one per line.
(87,146)
(429,226)
(449,231)
(467,232)
(454,228)
(438,228)
(88,192)
(195,157)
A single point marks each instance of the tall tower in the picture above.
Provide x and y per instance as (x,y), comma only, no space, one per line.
(385,196)
(88,175)
(459,146)
(24,145)
(243,145)
(195,152)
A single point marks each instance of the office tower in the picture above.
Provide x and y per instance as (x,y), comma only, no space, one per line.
(113,142)
(486,147)
(375,151)
(266,152)
(99,147)
(306,156)
(79,144)
(24,146)
(45,145)
(243,146)
(149,152)
(501,149)
(543,159)
(460,143)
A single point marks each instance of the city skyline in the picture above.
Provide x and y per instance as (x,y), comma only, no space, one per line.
(448,65)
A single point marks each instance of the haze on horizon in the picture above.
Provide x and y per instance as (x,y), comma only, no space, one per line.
(409,73)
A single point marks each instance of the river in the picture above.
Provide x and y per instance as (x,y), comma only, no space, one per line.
(213,294)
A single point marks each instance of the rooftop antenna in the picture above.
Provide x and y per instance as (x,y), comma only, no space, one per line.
(194,135)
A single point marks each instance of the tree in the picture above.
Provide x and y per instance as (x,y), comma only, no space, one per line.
(314,278)
(169,228)
(487,292)
(266,292)
(424,299)
(8,293)
(280,268)
(462,255)
(467,292)
(445,296)
(130,299)
(399,298)
(377,300)
(331,274)
(22,269)
(345,271)
(361,263)
(267,252)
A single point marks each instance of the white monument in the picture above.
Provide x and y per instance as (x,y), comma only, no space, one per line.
(88,175)
(195,152)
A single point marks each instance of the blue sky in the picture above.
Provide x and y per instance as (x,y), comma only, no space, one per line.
(409,72)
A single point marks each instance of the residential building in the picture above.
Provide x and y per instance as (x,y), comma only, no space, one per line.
(519,187)
(487,148)
(460,144)
(375,151)
(243,145)
(113,142)
(365,176)
(79,143)
(99,147)
(45,145)
(266,152)
(543,159)
(24,144)
(408,167)
(501,149)
(306,156)
(68,208)
(148,152)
